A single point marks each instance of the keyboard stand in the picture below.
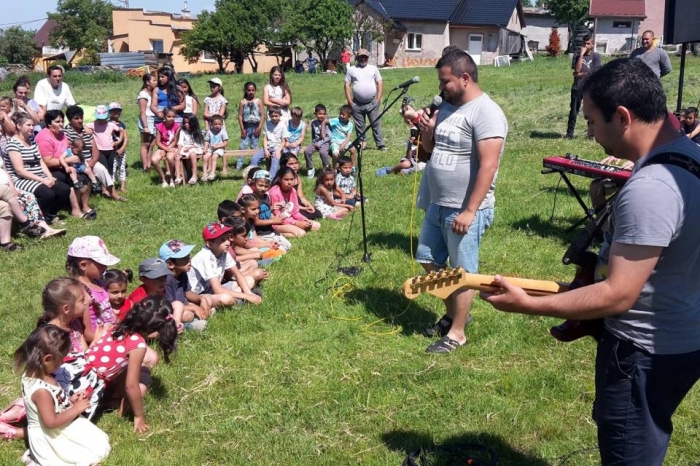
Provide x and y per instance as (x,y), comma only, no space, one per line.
(588,211)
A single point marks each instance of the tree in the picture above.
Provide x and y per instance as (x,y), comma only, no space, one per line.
(570,12)
(554,46)
(208,35)
(17,46)
(320,24)
(367,28)
(82,24)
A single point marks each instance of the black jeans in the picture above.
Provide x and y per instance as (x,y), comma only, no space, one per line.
(576,97)
(636,393)
(53,199)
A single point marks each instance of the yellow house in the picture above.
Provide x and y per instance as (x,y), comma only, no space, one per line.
(138,30)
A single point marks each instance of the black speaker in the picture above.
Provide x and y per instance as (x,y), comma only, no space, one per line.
(682,21)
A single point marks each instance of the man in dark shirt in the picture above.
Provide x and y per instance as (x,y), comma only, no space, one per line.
(584,63)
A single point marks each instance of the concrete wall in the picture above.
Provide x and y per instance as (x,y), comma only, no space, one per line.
(617,38)
(435,38)
(539,28)
(654,10)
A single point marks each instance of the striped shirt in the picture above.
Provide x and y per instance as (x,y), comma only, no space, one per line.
(32,163)
(87,141)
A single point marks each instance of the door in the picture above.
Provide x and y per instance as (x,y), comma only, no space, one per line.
(476,45)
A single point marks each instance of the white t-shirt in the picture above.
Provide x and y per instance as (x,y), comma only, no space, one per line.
(188,103)
(53,99)
(205,266)
(277,92)
(364,82)
(144,94)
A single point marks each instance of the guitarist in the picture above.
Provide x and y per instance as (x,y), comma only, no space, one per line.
(648,356)
(466,137)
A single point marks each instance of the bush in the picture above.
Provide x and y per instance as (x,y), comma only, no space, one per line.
(66,66)
(90,57)
(554,47)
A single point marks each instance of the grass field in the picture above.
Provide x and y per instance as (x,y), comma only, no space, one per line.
(331,370)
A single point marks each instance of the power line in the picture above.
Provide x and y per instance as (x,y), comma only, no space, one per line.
(20,23)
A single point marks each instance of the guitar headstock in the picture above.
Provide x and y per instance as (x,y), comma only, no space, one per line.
(441,284)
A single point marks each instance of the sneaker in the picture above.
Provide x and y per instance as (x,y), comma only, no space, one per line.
(204,177)
(383,171)
(196,324)
(33,229)
(311,172)
(383,148)
(78,185)
(177,181)
(165,184)
(96,187)
(172,184)
(192,181)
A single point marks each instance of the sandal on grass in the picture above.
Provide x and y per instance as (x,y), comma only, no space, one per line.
(444,345)
(11,247)
(89,215)
(442,326)
(15,412)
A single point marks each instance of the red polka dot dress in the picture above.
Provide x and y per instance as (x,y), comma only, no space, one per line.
(109,356)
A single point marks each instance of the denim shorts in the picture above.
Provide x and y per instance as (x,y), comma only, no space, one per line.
(437,241)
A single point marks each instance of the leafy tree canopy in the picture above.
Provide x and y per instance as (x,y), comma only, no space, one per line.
(82,24)
(17,46)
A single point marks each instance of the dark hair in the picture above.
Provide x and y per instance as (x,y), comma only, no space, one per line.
(693,110)
(628,83)
(169,109)
(283,82)
(251,172)
(73,111)
(284,160)
(51,115)
(18,118)
(58,292)
(459,62)
(297,112)
(324,173)
(190,93)
(227,208)
(246,200)
(53,68)
(195,132)
(171,88)
(73,266)
(448,49)
(145,78)
(153,314)
(121,277)
(245,86)
(343,160)
(214,118)
(47,339)
(237,224)
(78,142)
(274,109)
(22,81)
(587,37)
(320,107)
(281,172)
(346,108)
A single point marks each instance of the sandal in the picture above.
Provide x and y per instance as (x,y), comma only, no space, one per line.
(89,215)
(444,345)
(177,181)
(442,326)
(9,432)
(120,199)
(11,247)
(53,233)
(192,181)
(16,407)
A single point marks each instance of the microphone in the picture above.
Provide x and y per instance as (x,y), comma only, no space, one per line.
(413,80)
(437,101)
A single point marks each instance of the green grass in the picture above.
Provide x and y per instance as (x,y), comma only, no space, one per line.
(331,370)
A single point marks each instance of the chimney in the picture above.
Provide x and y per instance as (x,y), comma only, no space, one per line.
(185,11)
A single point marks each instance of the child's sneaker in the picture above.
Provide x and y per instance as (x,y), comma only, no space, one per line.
(311,172)
(196,324)
(383,171)
(212,176)
(96,187)
(239,164)
(77,184)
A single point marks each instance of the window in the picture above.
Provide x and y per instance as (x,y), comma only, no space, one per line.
(207,57)
(414,41)
(492,44)
(622,24)
(157,45)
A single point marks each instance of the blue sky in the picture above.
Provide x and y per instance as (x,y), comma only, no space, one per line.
(16,15)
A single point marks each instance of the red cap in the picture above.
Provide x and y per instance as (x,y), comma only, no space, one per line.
(214,230)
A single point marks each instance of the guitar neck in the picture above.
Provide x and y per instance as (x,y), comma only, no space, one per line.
(445,282)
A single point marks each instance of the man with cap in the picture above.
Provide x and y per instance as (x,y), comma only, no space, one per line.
(363,91)
(209,268)
(190,308)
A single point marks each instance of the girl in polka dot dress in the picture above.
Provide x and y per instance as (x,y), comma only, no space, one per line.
(117,356)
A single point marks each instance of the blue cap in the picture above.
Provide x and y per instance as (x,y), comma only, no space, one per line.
(174,249)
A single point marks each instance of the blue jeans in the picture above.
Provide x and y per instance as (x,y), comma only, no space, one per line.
(274,161)
(636,395)
(437,241)
(251,140)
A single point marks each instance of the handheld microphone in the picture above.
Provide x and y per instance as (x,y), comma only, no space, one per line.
(413,80)
(437,101)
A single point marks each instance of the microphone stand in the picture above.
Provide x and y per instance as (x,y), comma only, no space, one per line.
(357,144)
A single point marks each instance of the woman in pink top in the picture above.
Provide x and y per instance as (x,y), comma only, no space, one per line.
(53,147)
(285,204)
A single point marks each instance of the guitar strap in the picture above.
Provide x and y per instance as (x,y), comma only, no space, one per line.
(585,238)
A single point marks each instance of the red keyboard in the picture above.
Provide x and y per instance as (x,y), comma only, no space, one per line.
(588,168)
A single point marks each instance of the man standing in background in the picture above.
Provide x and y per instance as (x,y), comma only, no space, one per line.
(363,91)
(655,58)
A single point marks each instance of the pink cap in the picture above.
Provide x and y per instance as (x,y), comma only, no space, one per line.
(91,247)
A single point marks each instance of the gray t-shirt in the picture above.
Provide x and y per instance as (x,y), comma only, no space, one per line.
(454,162)
(364,82)
(656,59)
(660,206)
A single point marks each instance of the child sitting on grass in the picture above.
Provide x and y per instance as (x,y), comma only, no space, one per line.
(246,245)
(247,187)
(285,204)
(306,208)
(325,202)
(176,255)
(346,182)
(265,222)
(209,268)
(409,163)
(116,282)
(227,212)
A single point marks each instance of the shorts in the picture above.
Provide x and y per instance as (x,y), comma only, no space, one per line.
(79,167)
(217,152)
(437,242)
(150,121)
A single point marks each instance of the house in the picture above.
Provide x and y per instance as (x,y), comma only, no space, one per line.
(48,53)
(539,26)
(138,30)
(616,24)
(655,11)
(416,31)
